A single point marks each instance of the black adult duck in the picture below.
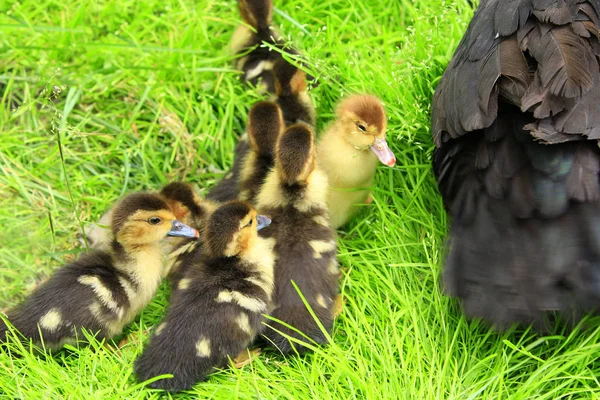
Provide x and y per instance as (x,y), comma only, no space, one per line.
(515,121)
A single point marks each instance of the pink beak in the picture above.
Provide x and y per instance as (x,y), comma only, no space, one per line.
(383,152)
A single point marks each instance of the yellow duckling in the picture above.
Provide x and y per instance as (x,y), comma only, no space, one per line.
(294,195)
(348,153)
(104,289)
(216,310)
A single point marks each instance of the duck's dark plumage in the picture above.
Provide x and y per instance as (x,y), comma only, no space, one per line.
(515,122)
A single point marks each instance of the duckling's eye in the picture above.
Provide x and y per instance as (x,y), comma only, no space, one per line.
(362,127)
(249,223)
(154,220)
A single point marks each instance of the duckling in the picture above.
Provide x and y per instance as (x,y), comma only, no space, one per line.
(187,206)
(348,153)
(257,61)
(104,289)
(295,196)
(265,125)
(216,311)
(254,155)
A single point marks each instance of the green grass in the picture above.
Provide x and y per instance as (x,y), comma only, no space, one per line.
(135,94)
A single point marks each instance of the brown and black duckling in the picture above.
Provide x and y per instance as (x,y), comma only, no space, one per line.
(188,208)
(254,155)
(295,196)
(104,289)
(265,125)
(349,151)
(257,60)
(216,310)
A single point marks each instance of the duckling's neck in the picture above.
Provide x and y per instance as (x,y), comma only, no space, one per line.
(143,264)
(311,193)
(260,261)
(346,165)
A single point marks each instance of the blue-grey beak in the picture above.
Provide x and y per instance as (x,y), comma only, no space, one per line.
(180,229)
(262,221)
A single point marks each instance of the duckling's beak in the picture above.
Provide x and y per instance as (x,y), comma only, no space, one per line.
(262,221)
(383,152)
(180,229)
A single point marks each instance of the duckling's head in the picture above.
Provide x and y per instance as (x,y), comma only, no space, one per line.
(256,13)
(265,124)
(362,123)
(296,154)
(183,201)
(232,229)
(144,218)
(289,79)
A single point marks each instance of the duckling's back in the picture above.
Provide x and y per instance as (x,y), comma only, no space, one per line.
(294,196)
(306,255)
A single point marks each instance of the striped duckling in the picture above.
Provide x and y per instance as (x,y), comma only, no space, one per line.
(216,310)
(349,151)
(256,60)
(104,289)
(294,195)
(253,156)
